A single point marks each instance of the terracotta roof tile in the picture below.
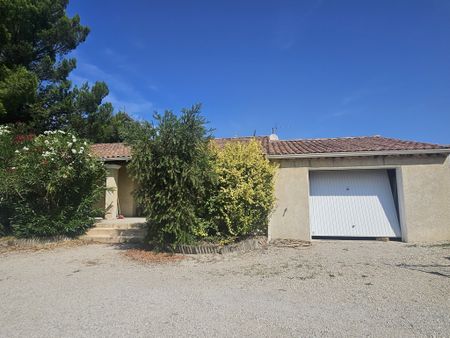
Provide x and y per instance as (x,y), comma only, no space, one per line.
(111,150)
(346,145)
(114,151)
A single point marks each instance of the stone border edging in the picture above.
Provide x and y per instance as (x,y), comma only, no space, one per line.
(247,244)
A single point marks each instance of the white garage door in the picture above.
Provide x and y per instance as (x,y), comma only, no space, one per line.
(352,203)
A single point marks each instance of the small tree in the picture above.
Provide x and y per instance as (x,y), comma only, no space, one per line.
(55,182)
(244,196)
(171,165)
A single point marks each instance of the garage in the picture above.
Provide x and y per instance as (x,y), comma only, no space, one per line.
(354,203)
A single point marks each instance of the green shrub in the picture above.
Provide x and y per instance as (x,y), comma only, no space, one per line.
(190,190)
(54,183)
(243,198)
(171,165)
(8,144)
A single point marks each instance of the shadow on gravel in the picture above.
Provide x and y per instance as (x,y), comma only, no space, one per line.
(431,269)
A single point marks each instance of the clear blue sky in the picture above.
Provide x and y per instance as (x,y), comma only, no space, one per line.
(310,68)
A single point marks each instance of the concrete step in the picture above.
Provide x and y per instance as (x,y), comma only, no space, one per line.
(128,230)
(121,226)
(112,239)
(116,232)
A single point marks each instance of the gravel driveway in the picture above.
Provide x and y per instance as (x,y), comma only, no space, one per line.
(334,288)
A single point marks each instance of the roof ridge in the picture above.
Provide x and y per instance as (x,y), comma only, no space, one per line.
(412,141)
(124,143)
(238,137)
(328,138)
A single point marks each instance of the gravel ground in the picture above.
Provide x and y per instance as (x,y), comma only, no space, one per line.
(333,288)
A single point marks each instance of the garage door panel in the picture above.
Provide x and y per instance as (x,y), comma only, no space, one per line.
(352,203)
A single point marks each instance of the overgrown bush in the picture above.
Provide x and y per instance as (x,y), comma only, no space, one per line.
(172,167)
(244,195)
(191,190)
(53,184)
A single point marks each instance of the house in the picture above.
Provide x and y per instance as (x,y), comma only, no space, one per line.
(334,187)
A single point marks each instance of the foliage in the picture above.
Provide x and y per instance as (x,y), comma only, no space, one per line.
(125,128)
(17,89)
(172,167)
(190,189)
(7,148)
(53,184)
(35,37)
(244,195)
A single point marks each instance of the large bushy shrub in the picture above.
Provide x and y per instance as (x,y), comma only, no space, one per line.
(172,167)
(54,182)
(191,190)
(244,195)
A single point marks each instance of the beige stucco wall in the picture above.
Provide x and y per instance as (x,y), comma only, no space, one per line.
(290,218)
(126,201)
(426,202)
(424,183)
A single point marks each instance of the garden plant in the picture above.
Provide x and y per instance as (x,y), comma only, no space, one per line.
(49,184)
(191,190)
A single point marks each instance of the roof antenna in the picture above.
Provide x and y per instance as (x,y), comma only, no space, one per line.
(273,136)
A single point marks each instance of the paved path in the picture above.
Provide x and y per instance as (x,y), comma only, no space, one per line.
(330,289)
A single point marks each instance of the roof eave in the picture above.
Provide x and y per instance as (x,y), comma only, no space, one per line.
(115,159)
(362,153)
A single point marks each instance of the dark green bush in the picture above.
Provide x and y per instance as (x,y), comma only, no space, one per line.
(172,166)
(8,144)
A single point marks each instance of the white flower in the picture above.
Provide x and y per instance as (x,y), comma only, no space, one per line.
(17,151)
(74,151)
(69,144)
(25,148)
(4,130)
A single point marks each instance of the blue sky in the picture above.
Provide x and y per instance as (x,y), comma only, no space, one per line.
(309,68)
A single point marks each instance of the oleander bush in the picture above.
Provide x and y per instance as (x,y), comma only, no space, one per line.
(172,166)
(53,182)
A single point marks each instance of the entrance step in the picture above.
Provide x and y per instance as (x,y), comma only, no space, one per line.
(112,240)
(132,230)
(116,232)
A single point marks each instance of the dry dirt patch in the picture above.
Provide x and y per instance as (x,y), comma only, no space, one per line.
(147,256)
(11,244)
